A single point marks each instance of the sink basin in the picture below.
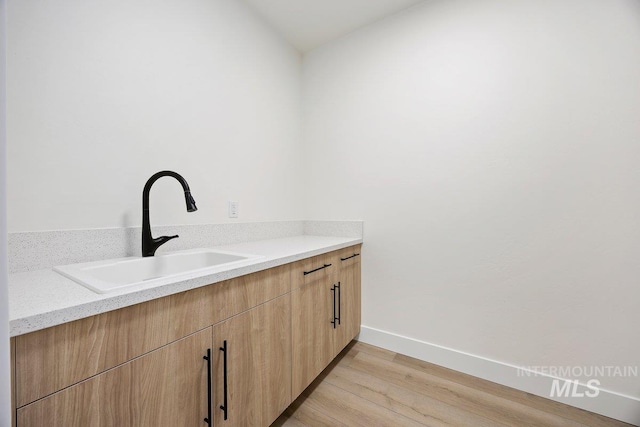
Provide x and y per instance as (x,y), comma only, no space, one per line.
(118,274)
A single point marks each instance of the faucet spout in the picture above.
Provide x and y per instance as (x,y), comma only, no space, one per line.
(149,243)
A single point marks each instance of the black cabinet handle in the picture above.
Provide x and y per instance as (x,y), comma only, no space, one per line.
(349,257)
(208,420)
(339,301)
(335,320)
(223,349)
(316,269)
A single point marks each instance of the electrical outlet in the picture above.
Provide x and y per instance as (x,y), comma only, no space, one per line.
(233,209)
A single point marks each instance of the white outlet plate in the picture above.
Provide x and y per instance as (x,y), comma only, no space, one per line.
(233,209)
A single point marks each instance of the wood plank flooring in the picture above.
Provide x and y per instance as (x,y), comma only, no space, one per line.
(369,386)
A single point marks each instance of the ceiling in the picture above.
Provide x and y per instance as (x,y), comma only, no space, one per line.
(309,23)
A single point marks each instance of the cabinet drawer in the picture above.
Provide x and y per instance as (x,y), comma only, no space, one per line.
(54,358)
(57,357)
(310,270)
(234,296)
(348,256)
(167,387)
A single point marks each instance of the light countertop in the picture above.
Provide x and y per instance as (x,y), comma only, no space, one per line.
(43,298)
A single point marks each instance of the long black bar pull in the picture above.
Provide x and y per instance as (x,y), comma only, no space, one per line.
(223,349)
(333,289)
(316,269)
(349,257)
(339,300)
(339,308)
(208,420)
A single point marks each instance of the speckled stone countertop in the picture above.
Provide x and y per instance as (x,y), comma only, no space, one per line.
(43,298)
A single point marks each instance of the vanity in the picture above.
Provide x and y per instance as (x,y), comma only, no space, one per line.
(235,352)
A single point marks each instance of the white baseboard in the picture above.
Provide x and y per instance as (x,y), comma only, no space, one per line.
(607,403)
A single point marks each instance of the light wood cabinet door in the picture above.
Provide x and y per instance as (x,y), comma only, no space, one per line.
(167,387)
(257,369)
(348,297)
(313,333)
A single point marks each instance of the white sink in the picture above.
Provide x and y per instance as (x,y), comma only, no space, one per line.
(118,274)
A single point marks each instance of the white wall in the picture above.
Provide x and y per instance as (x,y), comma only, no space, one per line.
(491,147)
(103,94)
(5,394)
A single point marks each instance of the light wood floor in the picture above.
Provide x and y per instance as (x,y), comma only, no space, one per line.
(369,386)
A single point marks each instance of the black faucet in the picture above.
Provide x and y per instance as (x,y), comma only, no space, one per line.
(149,244)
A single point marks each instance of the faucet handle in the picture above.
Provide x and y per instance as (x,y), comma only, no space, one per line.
(159,241)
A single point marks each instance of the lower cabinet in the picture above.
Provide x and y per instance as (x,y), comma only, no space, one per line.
(326,307)
(313,334)
(167,387)
(253,365)
(348,296)
(233,354)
